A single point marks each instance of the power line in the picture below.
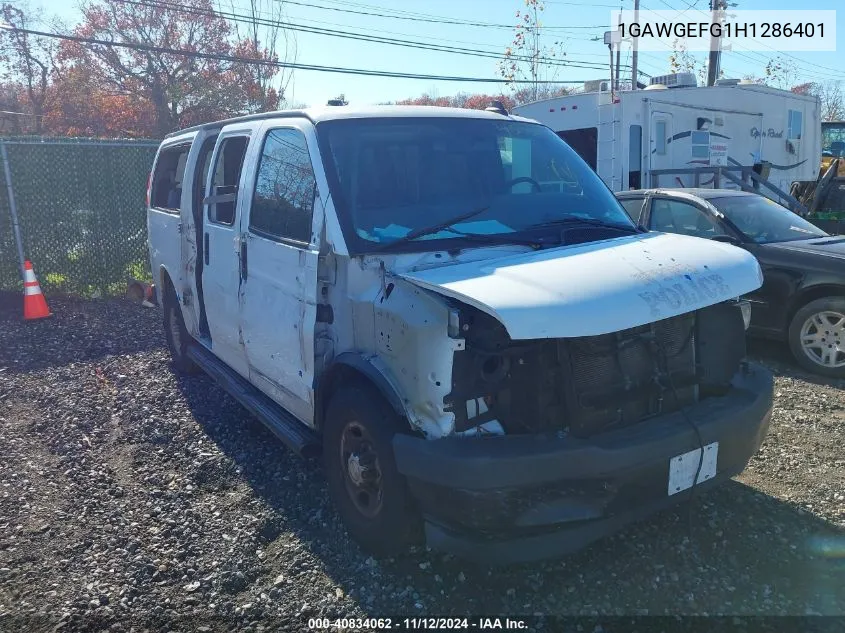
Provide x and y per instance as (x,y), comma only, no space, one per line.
(292,65)
(425,17)
(236,17)
(808,69)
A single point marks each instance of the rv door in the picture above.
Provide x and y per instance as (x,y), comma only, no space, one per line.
(660,149)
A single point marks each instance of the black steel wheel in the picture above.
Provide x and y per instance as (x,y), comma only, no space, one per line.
(370,495)
(177,335)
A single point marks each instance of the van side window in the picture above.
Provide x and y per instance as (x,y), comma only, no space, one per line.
(283,204)
(225,179)
(167,178)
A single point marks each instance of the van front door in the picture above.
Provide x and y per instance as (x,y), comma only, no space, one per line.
(221,272)
(280,233)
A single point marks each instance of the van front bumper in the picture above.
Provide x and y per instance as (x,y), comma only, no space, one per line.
(518,498)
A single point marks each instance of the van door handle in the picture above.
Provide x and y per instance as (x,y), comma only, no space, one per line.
(243,259)
(205,249)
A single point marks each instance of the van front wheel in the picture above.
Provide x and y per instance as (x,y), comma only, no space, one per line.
(176,334)
(369,493)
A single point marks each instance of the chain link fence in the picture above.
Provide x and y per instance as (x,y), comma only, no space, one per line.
(80,207)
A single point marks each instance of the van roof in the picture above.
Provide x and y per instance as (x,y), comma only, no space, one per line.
(330,113)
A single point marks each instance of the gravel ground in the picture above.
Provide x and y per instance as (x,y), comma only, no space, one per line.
(135,498)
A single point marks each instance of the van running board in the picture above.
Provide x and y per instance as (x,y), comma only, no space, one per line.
(298,437)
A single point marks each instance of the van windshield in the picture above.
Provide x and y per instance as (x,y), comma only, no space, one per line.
(392,177)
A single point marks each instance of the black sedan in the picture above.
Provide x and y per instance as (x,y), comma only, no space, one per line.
(802,300)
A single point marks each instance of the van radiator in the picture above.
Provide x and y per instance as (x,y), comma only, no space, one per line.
(621,378)
(580,386)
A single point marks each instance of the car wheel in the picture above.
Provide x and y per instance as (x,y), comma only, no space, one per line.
(370,495)
(817,336)
(176,334)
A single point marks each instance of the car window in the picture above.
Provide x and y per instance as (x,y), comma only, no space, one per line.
(633,207)
(762,220)
(283,203)
(676,216)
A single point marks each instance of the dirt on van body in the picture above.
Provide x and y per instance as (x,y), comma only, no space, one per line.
(136,499)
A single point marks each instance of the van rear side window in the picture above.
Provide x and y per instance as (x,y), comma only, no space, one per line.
(225,179)
(168,176)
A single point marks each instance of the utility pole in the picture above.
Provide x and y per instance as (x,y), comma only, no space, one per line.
(618,60)
(634,52)
(715,43)
(535,60)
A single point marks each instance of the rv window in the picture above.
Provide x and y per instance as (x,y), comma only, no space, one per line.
(795,124)
(700,146)
(635,157)
(167,177)
(585,143)
(660,137)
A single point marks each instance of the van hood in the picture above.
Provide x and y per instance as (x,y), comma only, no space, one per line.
(599,287)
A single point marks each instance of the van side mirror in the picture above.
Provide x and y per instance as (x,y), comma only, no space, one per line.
(727,239)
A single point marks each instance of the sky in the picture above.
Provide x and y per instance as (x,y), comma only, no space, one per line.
(578,26)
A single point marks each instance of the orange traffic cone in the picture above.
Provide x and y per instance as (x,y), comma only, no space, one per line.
(34,304)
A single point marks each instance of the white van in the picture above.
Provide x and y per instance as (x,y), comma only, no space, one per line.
(455,310)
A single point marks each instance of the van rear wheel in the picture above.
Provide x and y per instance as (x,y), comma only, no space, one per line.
(176,334)
(370,495)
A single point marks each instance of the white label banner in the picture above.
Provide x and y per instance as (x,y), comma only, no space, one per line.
(770,31)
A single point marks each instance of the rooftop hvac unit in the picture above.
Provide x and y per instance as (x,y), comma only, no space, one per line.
(677,80)
(597,85)
(727,82)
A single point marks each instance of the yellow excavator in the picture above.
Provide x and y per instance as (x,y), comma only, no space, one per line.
(824,199)
(833,145)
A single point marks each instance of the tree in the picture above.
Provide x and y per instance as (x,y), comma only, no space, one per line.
(779,72)
(460,100)
(27,66)
(149,92)
(264,30)
(527,58)
(537,92)
(831,98)
(682,61)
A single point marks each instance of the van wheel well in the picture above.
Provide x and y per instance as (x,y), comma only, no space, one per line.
(166,282)
(340,375)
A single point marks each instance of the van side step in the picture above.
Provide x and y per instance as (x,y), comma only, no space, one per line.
(298,437)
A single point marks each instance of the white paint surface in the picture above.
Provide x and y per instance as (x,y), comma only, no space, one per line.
(600,287)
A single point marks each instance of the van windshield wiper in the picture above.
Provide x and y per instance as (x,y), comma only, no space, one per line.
(434,228)
(574,220)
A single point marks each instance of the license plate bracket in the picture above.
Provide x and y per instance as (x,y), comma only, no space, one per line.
(682,468)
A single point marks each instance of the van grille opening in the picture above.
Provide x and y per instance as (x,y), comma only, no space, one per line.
(580,386)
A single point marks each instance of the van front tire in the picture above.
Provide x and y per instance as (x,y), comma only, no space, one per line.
(369,493)
(176,334)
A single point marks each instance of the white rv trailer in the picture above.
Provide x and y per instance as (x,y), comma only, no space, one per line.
(625,135)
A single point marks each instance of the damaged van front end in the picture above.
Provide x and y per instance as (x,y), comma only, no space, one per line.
(559,394)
